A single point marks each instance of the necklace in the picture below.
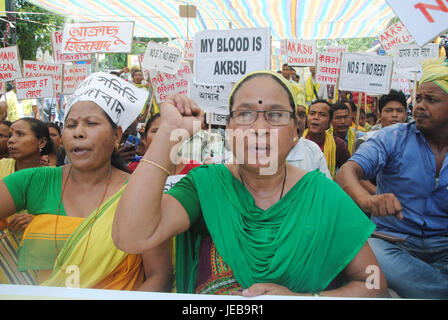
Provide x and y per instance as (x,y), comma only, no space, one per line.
(94,218)
(283,186)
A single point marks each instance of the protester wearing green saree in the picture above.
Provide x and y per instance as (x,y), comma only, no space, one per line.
(287,232)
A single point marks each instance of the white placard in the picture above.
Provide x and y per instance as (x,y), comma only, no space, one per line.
(364,72)
(189,50)
(104,36)
(217,118)
(69,83)
(212,98)
(425,20)
(58,56)
(328,68)
(224,56)
(34,88)
(283,47)
(162,58)
(38,69)
(82,71)
(400,83)
(301,53)
(410,56)
(9,64)
(165,84)
(395,35)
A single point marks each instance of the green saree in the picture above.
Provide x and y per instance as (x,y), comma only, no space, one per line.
(302,242)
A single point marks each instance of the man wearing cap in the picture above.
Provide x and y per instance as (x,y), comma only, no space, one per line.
(410,208)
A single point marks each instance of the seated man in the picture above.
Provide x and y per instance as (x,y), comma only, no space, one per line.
(341,125)
(306,154)
(392,109)
(411,165)
(334,148)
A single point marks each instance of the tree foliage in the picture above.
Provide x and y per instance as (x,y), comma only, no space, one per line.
(32,30)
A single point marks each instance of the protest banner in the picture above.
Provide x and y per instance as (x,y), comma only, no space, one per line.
(69,83)
(409,57)
(9,64)
(216,118)
(34,88)
(94,37)
(400,83)
(188,50)
(424,19)
(164,84)
(365,72)
(161,58)
(211,98)
(224,56)
(328,68)
(121,100)
(38,69)
(81,73)
(301,53)
(58,56)
(283,47)
(395,35)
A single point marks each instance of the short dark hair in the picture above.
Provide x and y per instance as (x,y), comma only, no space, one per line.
(40,130)
(55,126)
(372,115)
(393,95)
(6,122)
(340,106)
(351,103)
(325,102)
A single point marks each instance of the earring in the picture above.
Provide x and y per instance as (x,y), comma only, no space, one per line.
(295,139)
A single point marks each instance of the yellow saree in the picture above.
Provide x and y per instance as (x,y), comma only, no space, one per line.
(80,247)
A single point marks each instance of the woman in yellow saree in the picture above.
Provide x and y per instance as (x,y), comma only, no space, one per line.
(69,241)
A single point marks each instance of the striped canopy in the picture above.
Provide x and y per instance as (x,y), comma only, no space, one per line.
(288,19)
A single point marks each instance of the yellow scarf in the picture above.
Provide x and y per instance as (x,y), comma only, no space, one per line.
(329,151)
(350,138)
(104,266)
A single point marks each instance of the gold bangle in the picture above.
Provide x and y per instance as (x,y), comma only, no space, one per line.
(157,165)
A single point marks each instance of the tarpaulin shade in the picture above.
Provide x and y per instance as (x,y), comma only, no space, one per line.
(288,19)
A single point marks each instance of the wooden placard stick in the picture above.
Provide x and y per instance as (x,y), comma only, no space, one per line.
(358,109)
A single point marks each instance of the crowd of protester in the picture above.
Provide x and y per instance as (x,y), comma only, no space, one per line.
(354,188)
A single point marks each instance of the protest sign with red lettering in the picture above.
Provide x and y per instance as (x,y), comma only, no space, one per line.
(400,82)
(424,19)
(365,72)
(91,37)
(34,88)
(161,57)
(9,64)
(37,69)
(165,84)
(301,53)
(69,83)
(328,68)
(188,50)
(81,72)
(58,56)
(224,56)
(395,35)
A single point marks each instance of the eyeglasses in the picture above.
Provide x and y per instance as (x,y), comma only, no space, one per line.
(273,117)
